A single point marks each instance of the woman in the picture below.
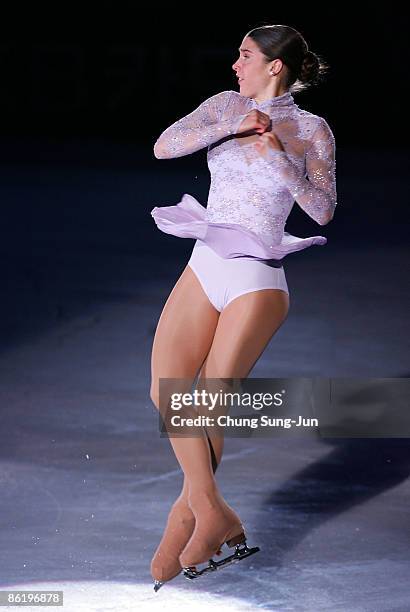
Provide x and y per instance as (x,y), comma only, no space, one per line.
(232,296)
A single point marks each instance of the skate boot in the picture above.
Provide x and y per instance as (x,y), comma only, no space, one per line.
(180,525)
(215,525)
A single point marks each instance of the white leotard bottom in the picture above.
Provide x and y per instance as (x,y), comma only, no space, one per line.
(224,279)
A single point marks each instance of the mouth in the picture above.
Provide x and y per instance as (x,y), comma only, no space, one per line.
(240,80)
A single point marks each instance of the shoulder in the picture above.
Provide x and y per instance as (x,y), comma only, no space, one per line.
(323,128)
(226,103)
(234,103)
(216,103)
(229,96)
(316,125)
(221,97)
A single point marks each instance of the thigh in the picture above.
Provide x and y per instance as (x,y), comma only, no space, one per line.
(244,329)
(184,332)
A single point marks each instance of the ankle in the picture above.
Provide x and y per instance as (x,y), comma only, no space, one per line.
(208,497)
(181,504)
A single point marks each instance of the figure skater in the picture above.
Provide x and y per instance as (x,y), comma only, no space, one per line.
(264,153)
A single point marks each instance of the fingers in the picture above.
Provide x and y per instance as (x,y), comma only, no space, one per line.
(262,121)
(264,124)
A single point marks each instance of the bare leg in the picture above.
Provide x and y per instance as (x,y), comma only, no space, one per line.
(182,340)
(244,329)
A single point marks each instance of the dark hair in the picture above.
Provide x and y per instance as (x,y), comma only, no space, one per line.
(305,68)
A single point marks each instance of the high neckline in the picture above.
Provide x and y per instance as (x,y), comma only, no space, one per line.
(286,100)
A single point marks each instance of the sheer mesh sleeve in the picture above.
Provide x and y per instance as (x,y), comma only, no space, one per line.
(197,130)
(316,196)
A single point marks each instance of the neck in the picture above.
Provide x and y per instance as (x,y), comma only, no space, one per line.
(284,101)
(264,97)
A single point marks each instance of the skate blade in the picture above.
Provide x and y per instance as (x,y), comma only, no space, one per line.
(241,552)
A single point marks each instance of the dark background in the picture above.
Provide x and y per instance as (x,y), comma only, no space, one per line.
(109,70)
(86,89)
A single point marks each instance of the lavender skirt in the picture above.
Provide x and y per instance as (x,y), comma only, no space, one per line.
(187,219)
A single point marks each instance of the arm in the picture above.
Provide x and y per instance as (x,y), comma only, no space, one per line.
(316,196)
(197,130)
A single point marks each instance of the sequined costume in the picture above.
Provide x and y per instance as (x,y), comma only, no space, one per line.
(251,195)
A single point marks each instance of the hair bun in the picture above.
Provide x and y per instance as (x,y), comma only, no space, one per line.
(310,68)
(309,57)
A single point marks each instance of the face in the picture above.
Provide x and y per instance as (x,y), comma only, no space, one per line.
(252,69)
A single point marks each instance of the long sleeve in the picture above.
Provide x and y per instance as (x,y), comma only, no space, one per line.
(316,196)
(197,130)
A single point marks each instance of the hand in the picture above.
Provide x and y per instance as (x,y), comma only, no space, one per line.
(267,141)
(255,120)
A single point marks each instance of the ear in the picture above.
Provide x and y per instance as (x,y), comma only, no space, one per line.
(276,65)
